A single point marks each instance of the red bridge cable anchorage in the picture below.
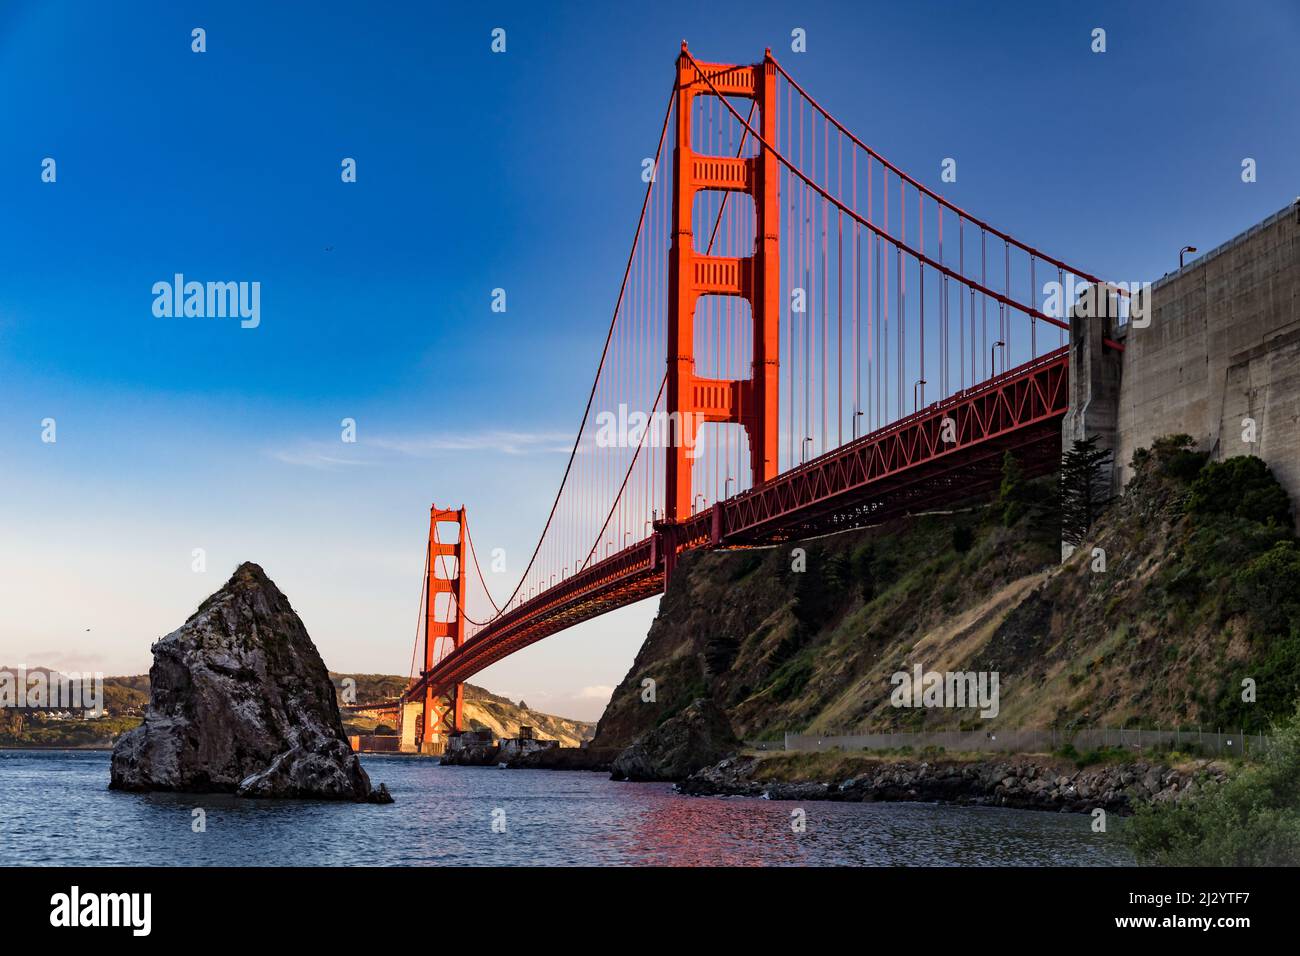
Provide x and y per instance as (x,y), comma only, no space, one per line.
(897,243)
(603,354)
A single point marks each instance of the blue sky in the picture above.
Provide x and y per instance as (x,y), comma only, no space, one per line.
(476,170)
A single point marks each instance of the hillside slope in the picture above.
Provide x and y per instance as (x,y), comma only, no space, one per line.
(488,711)
(1193,599)
(125,699)
(484,710)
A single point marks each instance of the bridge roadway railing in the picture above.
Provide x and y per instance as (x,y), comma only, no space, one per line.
(923,457)
(1214,743)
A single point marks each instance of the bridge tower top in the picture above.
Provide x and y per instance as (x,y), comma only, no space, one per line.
(693,399)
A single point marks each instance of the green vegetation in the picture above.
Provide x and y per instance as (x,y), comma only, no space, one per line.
(874,568)
(1084,488)
(1012,496)
(962,538)
(1243,487)
(125,699)
(1177,456)
(1109,755)
(373,688)
(39,731)
(1252,819)
(1239,572)
(1094,756)
(838,764)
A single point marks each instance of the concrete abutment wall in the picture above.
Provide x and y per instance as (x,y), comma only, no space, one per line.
(1218,358)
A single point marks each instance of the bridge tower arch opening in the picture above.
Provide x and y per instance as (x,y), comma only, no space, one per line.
(693,399)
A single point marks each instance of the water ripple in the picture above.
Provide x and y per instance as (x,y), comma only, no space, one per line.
(55,808)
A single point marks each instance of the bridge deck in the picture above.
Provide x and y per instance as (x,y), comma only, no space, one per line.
(946,453)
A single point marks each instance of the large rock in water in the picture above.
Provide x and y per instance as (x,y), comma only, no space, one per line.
(697,737)
(240,702)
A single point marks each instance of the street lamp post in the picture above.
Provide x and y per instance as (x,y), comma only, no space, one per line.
(993,356)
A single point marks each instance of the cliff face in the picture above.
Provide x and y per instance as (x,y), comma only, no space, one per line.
(805,635)
(240,701)
(1164,635)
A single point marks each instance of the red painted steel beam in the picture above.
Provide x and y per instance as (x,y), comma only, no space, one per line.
(602,587)
(1032,396)
(753,402)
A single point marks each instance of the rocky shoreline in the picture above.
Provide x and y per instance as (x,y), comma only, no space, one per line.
(566,758)
(1020,782)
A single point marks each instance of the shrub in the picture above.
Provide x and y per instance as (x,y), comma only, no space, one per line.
(836,571)
(1268,588)
(1243,487)
(1101,755)
(1176,458)
(1012,494)
(962,538)
(1253,819)
(874,570)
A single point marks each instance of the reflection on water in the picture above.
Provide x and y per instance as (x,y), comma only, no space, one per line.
(55,808)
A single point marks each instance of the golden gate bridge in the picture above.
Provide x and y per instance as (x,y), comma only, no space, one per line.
(827,342)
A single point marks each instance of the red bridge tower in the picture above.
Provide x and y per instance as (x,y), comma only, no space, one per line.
(442,712)
(751,403)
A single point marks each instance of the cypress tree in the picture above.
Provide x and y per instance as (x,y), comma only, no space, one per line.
(1085,488)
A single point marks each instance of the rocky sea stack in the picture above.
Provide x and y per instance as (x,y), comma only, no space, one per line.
(241,702)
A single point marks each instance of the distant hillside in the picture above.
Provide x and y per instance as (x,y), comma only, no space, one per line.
(1201,590)
(125,699)
(484,710)
(124,705)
